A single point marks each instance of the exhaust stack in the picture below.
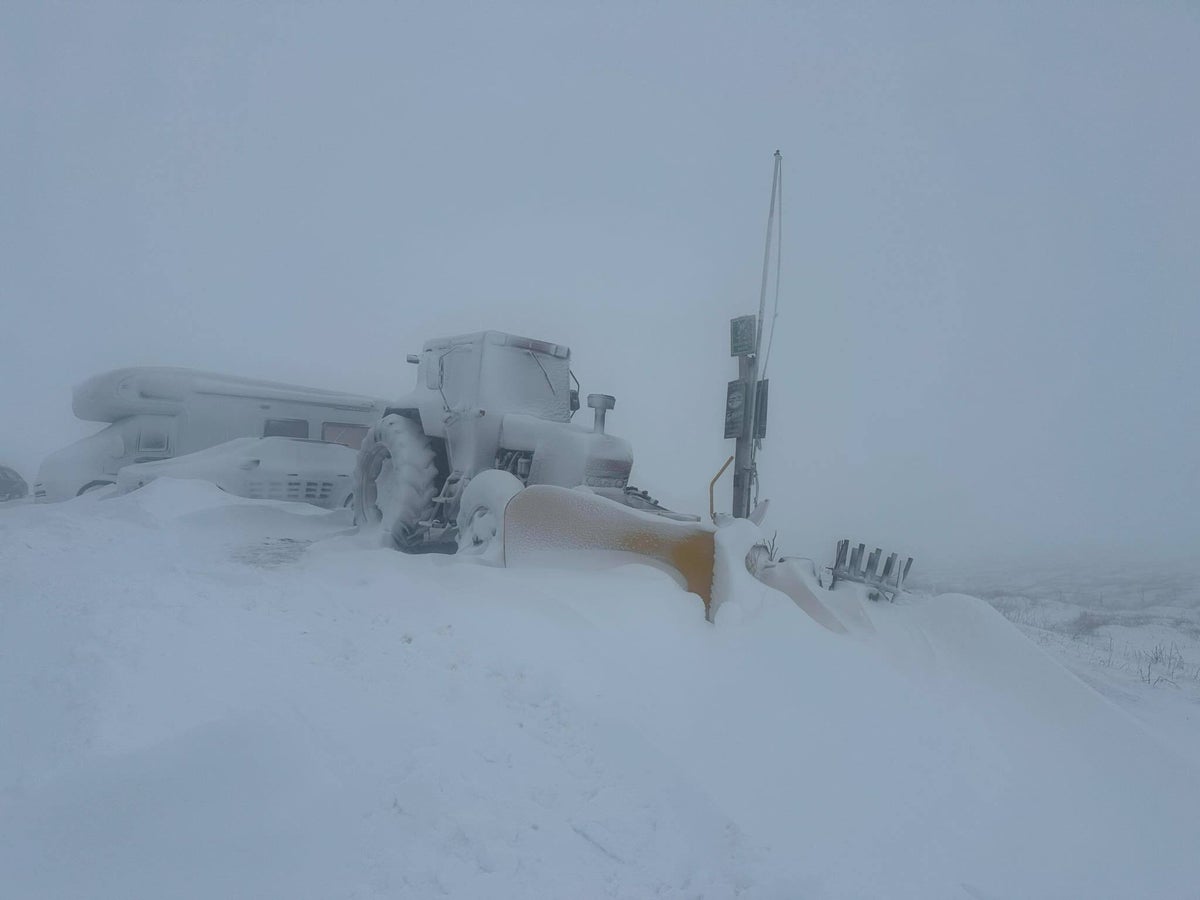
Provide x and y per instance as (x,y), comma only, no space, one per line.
(601,403)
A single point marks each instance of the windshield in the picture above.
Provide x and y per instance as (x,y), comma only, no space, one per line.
(521,380)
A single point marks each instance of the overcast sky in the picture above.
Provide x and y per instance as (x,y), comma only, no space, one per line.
(991,259)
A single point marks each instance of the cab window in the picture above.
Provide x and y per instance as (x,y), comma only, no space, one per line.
(293,428)
(152,439)
(342,433)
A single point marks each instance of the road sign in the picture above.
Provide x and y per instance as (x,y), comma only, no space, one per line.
(743,335)
(760,410)
(735,409)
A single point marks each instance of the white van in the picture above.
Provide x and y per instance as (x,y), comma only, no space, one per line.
(159,413)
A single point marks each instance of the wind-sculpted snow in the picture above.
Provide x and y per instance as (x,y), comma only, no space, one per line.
(183,720)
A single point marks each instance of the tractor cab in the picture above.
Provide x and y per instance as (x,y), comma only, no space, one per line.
(495,373)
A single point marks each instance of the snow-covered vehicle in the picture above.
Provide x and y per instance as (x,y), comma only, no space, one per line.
(270,468)
(161,413)
(12,485)
(490,415)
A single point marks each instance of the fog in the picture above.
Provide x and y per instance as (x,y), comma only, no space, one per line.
(991,236)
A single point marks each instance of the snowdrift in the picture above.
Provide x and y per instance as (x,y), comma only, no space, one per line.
(207,696)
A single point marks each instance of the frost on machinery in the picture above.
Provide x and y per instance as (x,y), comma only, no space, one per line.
(490,415)
(482,457)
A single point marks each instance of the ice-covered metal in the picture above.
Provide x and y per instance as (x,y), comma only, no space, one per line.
(601,403)
(847,566)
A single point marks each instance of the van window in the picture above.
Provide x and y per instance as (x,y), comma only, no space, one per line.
(152,439)
(293,428)
(343,433)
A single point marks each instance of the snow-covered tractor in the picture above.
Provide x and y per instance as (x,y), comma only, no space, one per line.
(490,415)
(482,457)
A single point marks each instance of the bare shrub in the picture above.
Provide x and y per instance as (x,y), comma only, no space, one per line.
(1160,664)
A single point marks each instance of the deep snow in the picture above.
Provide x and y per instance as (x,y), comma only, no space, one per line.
(204,696)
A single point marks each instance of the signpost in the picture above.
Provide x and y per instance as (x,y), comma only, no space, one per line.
(741,402)
(746,398)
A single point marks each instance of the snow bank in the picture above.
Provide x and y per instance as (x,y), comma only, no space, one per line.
(219,697)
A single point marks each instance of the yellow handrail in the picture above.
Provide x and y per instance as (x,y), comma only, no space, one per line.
(712,509)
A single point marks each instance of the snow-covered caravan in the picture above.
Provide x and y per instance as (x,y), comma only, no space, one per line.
(159,413)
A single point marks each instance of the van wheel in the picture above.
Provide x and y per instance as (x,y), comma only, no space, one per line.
(92,486)
(394,479)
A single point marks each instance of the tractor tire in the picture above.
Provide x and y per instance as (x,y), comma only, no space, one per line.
(481,511)
(395,480)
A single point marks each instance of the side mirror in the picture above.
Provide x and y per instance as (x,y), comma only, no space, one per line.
(574,399)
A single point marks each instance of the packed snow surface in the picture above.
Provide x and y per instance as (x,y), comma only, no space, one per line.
(205,696)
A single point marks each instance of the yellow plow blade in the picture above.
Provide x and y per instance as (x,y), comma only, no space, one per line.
(543,522)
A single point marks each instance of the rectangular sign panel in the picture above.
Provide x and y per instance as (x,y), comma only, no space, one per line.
(735,409)
(760,409)
(743,334)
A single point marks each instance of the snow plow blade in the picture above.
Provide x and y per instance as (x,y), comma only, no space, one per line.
(543,522)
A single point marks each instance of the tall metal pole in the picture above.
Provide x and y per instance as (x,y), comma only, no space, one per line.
(744,473)
(743,454)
